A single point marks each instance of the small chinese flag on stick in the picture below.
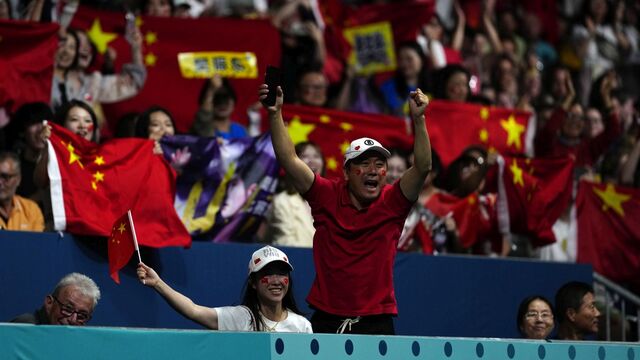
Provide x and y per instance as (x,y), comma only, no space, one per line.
(122,243)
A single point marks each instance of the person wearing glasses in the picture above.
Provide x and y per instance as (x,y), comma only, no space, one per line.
(268,304)
(535,318)
(71,303)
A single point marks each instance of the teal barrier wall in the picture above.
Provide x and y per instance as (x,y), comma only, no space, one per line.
(70,343)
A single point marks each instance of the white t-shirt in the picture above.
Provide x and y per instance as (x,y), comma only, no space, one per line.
(238,318)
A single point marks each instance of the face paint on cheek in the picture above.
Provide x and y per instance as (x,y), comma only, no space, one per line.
(90,128)
(285,281)
(358,172)
(383,172)
(264,280)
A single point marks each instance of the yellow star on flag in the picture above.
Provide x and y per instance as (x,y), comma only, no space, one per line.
(484,135)
(150,37)
(73,157)
(484,113)
(471,200)
(344,146)
(99,37)
(332,163)
(150,59)
(98,176)
(612,199)
(94,186)
(346,126)
(122,228)
(299,131)
(514,131)
(517,174)
(325,119)
(99,160)
(139,21)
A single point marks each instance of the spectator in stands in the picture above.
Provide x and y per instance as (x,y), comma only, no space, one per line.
(410,75)
(397,164)
(72,302)
(217,103)
(5,10)
(28,144)
(96,87)
(535,317)
(564,133)
(452,84)
(64,60)
(160,8)
(576,311)
(268,303)
(16,212)
(358,221)
(435,45)
(360,93)
(312,88)
(289,221)
(153,124)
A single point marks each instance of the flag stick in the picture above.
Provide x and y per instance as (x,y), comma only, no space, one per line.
(135,238)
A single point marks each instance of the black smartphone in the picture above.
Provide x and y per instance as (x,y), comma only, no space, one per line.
(272,79)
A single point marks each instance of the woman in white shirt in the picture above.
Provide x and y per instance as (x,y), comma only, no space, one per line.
(268,303)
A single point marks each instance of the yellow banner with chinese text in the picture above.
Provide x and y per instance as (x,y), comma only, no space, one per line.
(202,65)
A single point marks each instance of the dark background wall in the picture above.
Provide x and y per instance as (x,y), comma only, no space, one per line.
(437,295)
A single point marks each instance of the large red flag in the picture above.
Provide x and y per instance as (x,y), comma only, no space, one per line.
(533,193)
(121,246)
(334,130)
(471,216)
(92,185)
(454,126)
(26,62)
(232,45)
(609,231)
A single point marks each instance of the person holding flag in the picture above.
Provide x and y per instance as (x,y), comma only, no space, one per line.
(358,222)
(268,304)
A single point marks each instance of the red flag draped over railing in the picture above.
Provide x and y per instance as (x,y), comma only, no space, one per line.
(609,231)
(92,185)
(534,193)
(26,62)
(221,42)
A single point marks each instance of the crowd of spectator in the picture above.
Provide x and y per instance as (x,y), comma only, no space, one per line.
(574,66)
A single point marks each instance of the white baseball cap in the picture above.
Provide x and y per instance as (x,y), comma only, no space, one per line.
(266,255)
(362,145)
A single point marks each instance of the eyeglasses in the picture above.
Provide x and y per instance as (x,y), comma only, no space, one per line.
(543,315)
(7,176)
(67,310)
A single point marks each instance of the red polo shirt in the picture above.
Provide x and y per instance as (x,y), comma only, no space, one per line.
(354,250)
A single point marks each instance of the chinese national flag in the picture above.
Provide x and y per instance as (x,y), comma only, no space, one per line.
(535,192)
(26,62)
(334,130)
(121,246)
(467,213)
(93,185)
(609,231)
(454,126)
(164,39)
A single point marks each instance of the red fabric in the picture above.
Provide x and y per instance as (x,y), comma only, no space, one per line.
(165,85)
(27,50)
(99,183)
(332,129)
(120,246)
(454,126)
(607,238)
(354,250)
(470,220)
(543,195)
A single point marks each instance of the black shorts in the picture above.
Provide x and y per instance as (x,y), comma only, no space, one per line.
(382,324)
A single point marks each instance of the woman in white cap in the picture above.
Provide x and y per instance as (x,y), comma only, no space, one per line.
(267,305)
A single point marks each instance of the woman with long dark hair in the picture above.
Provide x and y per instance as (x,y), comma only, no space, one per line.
(267,304)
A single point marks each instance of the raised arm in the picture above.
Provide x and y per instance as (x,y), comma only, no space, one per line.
(413,179)
(205,316)
(300,174)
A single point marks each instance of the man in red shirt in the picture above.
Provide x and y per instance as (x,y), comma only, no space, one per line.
(358,222)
